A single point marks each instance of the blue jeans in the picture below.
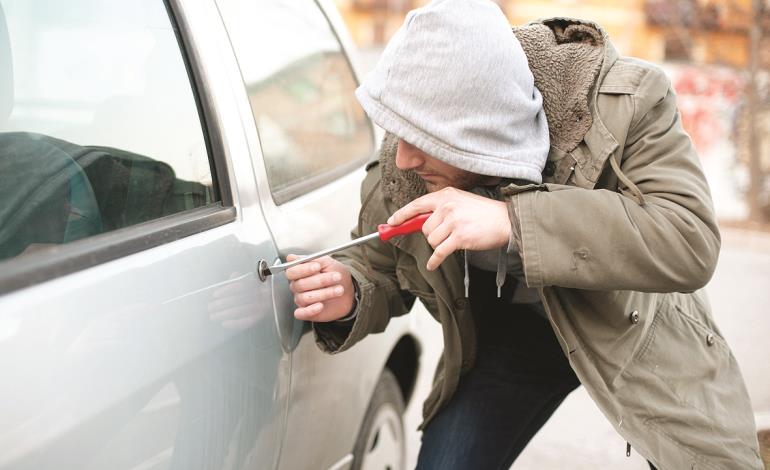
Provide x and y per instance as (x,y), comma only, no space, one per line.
(519,379)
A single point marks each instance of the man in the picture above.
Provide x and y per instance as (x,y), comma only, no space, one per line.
(548,263)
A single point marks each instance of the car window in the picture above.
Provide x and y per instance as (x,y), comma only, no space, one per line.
(300,87)
(99,125)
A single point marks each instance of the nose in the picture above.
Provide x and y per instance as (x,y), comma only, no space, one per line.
(408,156)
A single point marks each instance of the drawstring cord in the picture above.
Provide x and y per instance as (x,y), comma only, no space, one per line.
(467,279)
(631,186)
(502,269)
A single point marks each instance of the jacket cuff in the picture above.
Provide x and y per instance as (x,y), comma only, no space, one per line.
(514,241)
(521,210)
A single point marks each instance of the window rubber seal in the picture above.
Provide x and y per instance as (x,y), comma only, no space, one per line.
(55,261)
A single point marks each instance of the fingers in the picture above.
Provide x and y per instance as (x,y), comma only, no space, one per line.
(305,299)
(433,221)
(317,281)
(441,252)
(421,205)
(302,270)
(439,235)
(308,313)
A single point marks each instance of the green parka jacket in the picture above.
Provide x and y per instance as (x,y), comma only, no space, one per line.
(618,240)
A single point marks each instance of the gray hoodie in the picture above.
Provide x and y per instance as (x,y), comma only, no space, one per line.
(454,82)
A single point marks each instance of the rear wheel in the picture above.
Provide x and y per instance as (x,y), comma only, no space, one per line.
(381,444)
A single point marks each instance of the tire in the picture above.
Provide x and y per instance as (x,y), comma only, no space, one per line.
(381,443)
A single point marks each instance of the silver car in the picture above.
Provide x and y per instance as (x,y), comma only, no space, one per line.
(151,154)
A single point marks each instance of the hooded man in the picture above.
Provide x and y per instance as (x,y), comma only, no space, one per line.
(570,235)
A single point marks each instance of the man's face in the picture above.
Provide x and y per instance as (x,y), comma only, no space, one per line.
(436,174)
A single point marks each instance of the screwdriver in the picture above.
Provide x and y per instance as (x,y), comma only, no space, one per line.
(384,232)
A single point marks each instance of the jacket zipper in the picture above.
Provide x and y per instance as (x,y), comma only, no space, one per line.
(550,318)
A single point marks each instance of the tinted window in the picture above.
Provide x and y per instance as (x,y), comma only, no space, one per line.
(300,88)
(99,127)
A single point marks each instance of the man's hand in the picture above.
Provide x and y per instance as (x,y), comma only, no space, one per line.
(323,289)
(460,220)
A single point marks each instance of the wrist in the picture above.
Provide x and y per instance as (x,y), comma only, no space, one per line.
(505,232)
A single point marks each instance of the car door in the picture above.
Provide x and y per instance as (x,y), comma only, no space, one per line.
(134,331)
(309,140)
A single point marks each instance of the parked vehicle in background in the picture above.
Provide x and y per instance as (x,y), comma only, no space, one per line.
(151,153)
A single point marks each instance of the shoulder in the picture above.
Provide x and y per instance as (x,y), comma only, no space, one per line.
(375,207)
(636,87)
(629,75)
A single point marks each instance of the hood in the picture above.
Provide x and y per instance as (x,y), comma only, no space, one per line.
(566,57)
(454,82)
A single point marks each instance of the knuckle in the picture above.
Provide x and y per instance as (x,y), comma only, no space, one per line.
(302,285)
(444,250)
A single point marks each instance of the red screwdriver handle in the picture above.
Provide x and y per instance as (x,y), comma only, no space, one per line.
(410,226)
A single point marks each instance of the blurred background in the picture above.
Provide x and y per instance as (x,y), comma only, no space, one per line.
(717,54)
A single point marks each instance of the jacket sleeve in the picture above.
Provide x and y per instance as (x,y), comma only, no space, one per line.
(380,296)
(603,240)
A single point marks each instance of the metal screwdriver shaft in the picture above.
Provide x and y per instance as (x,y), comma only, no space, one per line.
(384,232)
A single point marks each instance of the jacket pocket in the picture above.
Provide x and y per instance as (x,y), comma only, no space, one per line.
(690,359)
(685,386)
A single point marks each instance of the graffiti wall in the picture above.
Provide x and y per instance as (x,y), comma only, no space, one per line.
(710,100)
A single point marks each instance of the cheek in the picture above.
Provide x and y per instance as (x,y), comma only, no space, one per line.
(464,181)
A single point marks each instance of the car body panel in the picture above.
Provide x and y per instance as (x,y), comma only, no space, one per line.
(179,356)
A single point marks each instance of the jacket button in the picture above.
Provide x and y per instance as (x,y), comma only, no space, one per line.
(461,303)
(634,317)
(550,169)
(710,339)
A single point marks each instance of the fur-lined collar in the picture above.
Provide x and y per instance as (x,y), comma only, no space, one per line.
(565,56)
